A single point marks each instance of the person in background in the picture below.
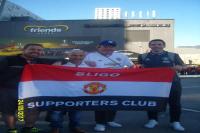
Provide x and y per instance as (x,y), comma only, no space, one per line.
(158,57)
(56,117)
(105,57)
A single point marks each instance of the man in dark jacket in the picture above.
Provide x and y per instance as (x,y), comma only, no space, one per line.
(11,68)
(157,57)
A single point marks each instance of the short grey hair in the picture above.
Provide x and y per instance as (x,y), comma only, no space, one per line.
(73,51)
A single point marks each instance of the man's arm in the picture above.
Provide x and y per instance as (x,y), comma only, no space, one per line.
(127,62)
(3,63)
(179,64)
(3,67)
(140,61)
(88,62)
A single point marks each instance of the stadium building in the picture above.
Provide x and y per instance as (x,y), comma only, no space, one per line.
(132,35)
(9,10)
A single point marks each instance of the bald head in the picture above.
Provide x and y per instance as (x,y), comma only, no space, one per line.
(76,56)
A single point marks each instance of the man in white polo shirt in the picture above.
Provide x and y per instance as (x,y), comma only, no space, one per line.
(105,57)
(56,118)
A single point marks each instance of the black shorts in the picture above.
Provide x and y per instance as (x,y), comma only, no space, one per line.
(8,101)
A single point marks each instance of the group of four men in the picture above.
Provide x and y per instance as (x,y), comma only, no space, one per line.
(12,66)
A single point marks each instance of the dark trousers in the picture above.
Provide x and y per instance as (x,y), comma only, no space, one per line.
(174,103)
(8,101)
(56,118)
(102,117)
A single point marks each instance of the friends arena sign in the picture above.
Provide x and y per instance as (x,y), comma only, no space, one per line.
(68,88)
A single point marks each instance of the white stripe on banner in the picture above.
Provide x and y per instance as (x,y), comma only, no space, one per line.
(30,89)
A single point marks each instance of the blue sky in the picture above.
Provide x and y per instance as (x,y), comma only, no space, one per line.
(185,12)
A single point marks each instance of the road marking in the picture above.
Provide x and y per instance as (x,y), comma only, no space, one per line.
(186,87)
(189,76)
(191,110)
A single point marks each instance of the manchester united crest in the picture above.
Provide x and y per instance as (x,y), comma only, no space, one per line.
(94,88)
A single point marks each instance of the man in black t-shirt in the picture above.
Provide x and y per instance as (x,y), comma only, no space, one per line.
(157,57)
(11,68)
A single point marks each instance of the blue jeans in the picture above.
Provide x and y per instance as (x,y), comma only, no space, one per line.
(56,118)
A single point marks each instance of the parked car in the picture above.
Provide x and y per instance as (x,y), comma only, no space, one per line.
(192,69)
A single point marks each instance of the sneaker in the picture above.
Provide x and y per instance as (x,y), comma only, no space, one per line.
(151,124)
(100,128)
(177,126)
(114,124)
(12,131)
